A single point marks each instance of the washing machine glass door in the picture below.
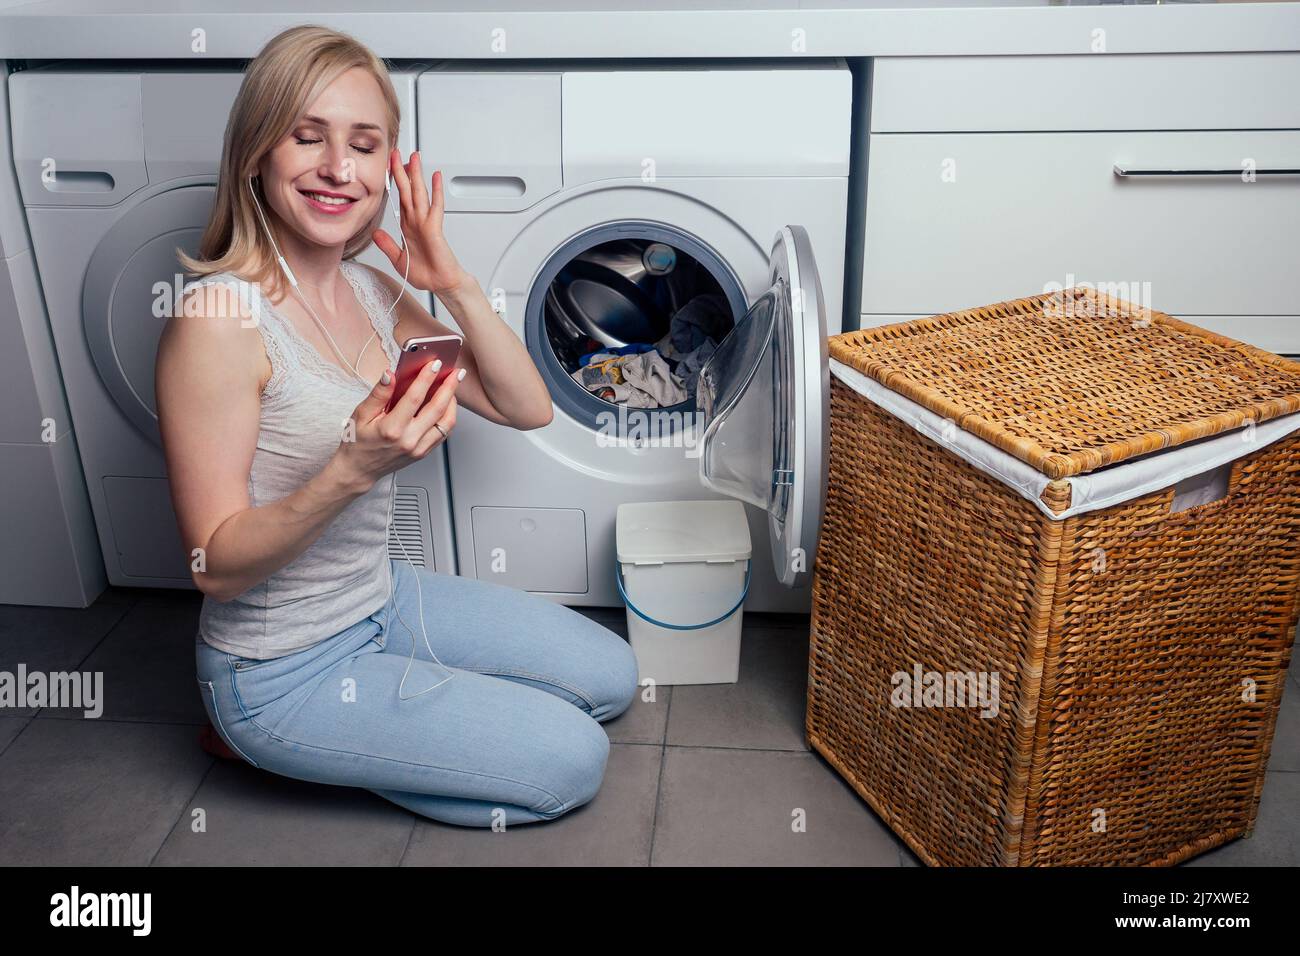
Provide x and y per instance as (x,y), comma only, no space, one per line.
(764,399)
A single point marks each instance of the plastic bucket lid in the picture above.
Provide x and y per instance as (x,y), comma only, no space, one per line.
(663,532)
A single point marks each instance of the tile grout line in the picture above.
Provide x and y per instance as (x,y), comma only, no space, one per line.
(57,714)
(5,749)
(410,835)
(212,762)
(80,665)
(659,784)
(747,750)
(762,750)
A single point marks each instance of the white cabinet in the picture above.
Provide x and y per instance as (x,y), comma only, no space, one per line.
(1086,92)
(1203,224)
(993,216)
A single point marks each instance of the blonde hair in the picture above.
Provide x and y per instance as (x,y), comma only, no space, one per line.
(279,85)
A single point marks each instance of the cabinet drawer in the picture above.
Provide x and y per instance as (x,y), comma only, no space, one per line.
(1086,92)
(955,221)
(1274,333)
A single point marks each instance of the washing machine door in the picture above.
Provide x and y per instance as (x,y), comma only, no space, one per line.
(131,283)
(764,402)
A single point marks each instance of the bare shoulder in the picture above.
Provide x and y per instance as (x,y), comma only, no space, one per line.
(214,321)
(228,301)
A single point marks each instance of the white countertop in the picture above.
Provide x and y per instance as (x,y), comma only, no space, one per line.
(620,29)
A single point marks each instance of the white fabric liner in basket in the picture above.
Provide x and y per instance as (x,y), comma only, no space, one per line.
(1102,489)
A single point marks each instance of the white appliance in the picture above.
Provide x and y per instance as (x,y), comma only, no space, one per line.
(50,555)
(741,170)
(117,168)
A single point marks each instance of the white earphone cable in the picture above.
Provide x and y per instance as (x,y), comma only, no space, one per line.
(392,498)
(420,604)
(293,280)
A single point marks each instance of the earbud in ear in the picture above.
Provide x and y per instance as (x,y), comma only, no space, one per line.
(388,192)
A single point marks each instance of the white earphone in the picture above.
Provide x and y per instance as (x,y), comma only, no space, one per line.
(293,280)
(392,498)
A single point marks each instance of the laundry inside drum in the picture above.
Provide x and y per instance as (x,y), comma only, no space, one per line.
(632,321)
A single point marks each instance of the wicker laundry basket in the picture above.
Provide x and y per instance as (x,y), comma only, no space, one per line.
(1022,494)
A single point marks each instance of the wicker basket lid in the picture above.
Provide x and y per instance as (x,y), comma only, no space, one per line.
(1075,380)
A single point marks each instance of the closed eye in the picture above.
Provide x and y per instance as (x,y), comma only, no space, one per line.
(311,142)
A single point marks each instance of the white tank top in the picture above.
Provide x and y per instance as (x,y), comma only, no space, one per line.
(344,575)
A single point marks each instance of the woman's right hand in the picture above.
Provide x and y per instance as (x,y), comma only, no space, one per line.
(382,442)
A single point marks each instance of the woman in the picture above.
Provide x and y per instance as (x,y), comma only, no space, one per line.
(318,658)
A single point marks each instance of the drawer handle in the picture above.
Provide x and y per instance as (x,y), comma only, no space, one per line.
(1126,171)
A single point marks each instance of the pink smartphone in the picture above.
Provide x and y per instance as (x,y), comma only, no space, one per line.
(419,351)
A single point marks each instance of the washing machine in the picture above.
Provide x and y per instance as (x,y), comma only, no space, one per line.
(117,168)
(596,205)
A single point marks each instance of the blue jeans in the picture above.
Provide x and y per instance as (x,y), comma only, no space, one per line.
(513,737)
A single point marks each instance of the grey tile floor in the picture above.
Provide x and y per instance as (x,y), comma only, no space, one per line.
(701,775)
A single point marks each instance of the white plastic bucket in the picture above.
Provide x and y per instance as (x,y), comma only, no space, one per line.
(683,572)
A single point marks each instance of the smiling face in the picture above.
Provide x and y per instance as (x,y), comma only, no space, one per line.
(325,179)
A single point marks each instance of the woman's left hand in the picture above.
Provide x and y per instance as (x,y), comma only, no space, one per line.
(433,266)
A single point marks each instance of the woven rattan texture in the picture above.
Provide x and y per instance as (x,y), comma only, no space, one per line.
(1167,659)
(1127,642)
(924,560)
(1072,381)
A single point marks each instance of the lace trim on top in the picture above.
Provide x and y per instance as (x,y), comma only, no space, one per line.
(376,298)
(375,302)
(280,361)
(287,349)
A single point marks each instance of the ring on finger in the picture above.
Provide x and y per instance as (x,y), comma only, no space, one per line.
(440,428)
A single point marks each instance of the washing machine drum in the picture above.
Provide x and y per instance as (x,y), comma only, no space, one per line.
(131,285)
(607,294)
